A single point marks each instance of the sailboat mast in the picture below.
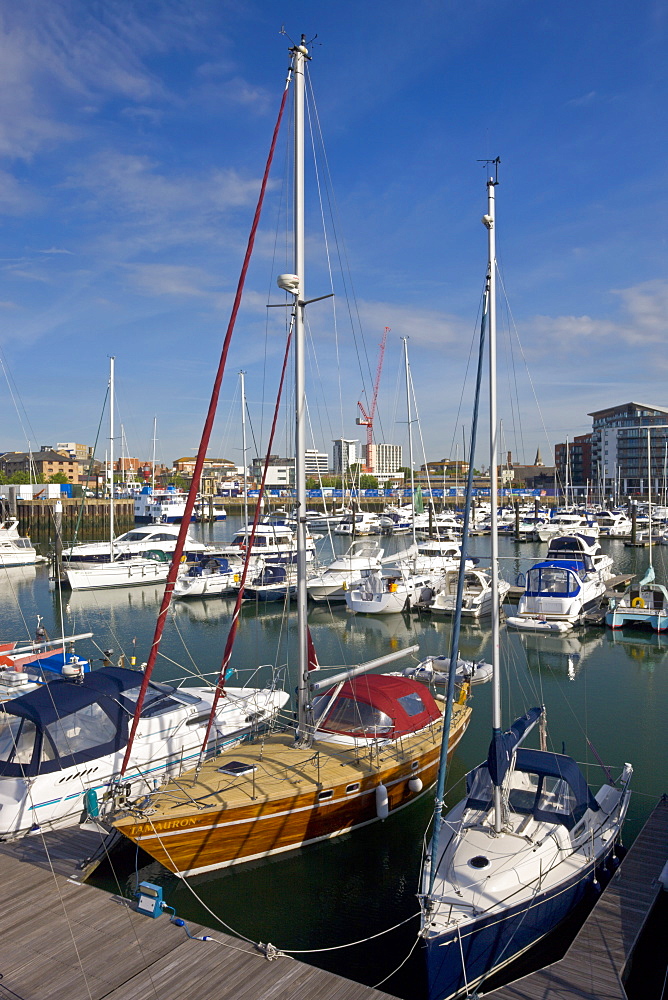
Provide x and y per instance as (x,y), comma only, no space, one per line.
(410,430)
(111,458)
(242,376)
(155,430)
(649,493)
(489,221)
(300,54)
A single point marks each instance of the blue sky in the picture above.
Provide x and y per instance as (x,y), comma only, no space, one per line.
(133,135)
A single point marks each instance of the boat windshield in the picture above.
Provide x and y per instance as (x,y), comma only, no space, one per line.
(159,698)
(355,718)
(17,739)
(556,581)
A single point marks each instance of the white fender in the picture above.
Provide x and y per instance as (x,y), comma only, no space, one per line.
(415,785)
(382,802)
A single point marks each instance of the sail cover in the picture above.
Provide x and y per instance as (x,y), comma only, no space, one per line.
(649,576)
(503,744)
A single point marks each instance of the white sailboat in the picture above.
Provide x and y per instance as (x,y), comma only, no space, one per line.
(363,747)
(512,859)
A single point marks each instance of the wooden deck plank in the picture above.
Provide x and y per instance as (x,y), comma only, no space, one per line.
(62,938)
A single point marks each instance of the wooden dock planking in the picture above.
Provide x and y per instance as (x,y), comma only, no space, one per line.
(62,938)
(593,966)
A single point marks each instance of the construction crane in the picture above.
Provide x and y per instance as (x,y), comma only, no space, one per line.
(366,420)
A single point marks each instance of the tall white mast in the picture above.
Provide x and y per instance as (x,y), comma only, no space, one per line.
(649,493)
(111,458)
(489,222)
(410,430)
(155,429)
(242,377)
(300,55)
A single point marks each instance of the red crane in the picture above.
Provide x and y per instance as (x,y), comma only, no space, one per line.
(366,420)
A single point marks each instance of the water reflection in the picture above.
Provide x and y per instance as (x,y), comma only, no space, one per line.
(646,649)
(563,653)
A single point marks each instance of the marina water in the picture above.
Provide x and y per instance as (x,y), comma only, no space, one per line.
(605,692)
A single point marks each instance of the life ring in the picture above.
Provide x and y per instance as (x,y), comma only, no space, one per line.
(637,602)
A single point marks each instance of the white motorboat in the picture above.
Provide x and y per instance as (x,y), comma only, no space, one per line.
(563,524)
(557,590)
(476,599)
(359,523)
(159,506)
(614,522)
(343,571)
(211,576)
(61,746)
(436,556)
(386,591)
(584,547)
(271,540)
(15,550)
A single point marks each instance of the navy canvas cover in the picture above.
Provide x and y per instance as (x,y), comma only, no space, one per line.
(61,698)
(502,745)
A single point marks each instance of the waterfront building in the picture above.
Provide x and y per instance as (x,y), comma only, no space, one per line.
(81,452)
(280,471)
(578,455)
(316,462)
(619,446)
(44,463)
(344,455)
(384,459)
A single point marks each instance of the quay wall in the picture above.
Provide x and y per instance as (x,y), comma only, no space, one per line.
(37,521)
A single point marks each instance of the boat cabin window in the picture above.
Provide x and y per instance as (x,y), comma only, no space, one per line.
(159,698)
(349,716)
(88,727)
(552,580)
(17,739)
(412,703)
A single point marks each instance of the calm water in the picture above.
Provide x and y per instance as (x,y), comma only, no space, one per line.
(609,687)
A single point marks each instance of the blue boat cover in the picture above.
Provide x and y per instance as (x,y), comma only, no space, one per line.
(61,698)
(502,746)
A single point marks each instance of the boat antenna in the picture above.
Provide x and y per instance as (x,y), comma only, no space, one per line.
(492,163)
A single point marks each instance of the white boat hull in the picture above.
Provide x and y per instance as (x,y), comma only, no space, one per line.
(123,574)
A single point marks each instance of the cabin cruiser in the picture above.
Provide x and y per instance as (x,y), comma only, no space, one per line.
(581,545)
(435,556)
(477,595)
(359,523)
(62,746)
(212,575)
(562,524)
(15,550)
(386,591)
(161,506)
(557,593)
(613,522)
(271,539)
(343,571)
